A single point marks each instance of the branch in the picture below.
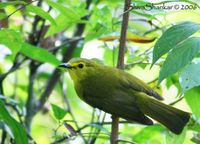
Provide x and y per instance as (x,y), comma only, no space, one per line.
(120,65)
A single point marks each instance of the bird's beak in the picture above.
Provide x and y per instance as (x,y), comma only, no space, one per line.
(65,65)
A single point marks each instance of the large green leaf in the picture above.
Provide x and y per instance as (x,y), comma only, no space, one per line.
(17,130)
(39,11)
(63,22)
(179,57)
(39,54)
(192,97)
(11,39)
(189,77)
(68,12)
(58,112)
(172,37)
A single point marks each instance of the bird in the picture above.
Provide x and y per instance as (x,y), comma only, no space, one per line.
(121,94)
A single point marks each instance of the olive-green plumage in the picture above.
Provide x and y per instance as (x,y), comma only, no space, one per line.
(120,93)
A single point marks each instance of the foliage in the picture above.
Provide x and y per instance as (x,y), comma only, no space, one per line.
(36,36)
(17,130)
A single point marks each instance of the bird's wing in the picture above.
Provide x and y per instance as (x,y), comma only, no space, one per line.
(119,106)
(130,81)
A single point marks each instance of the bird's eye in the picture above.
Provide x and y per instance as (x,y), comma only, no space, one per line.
(80,65)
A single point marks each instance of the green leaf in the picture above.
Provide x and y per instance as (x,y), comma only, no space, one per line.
(68,12)
(67,17)
(179,57)
(192,97)
(195,128)
(176,139)
(110,56)
(99,30)
(17,130)
(11,39)
(4,4)
(63,22)
(58,112)
(189,77)
(148,134)
(100,23)
(38,11)
(172,37)
(173,81)
(39,54)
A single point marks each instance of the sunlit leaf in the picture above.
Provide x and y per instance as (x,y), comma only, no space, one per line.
(110,56)
(39,54)
(67,17)
(17,130)
(179,57)
(68,12)
(173,37)
(58,112)
(39,11)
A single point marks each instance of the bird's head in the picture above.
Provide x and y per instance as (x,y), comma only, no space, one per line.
(79,68)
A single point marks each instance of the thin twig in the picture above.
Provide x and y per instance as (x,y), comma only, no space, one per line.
(120,65)
(176,101)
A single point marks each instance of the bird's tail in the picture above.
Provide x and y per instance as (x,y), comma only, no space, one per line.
(173,118)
